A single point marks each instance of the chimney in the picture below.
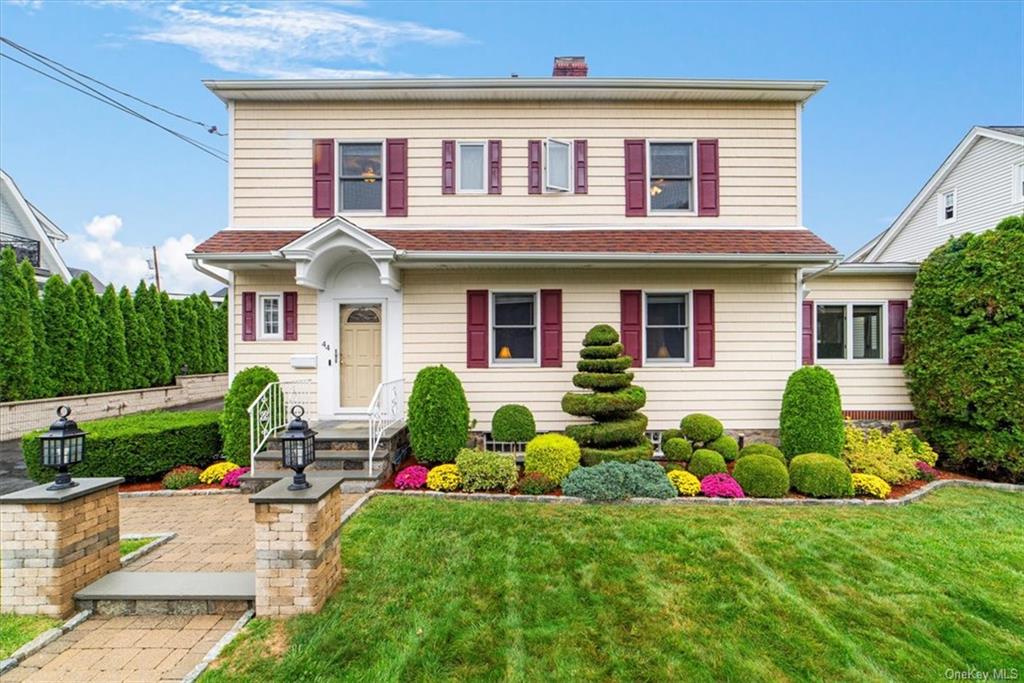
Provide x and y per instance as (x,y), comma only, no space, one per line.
(573,67)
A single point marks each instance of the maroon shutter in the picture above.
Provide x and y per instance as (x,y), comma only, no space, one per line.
(398,177)
(551,328)
(581,166)
(323,178)
(897,329)
(291,316)
(476,328)
(704,328)
(707,177)
(807,332)
(494,167)
(636,178)
(248,316)
(448,167)
(533,165)
(631,321)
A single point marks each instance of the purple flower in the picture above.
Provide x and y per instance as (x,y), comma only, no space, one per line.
(720,486)
(926,471)
(414,477)
(231,479)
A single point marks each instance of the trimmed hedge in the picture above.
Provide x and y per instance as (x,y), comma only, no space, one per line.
(600,382)
(607,405)
(610,351)
(234,421)
(552,455)
(678,449)
(726,445)
(628,431)
(513,423)
(136,447)
(705,462)
(820,475)
(811,420)
(604,365)
(763,449)
(593,456)
(438,415)
(762,476)
(700,428)
(486,471)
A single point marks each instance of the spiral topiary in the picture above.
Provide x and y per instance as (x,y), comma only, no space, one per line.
(618,432)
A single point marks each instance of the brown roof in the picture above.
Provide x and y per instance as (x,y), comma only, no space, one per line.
(245,241)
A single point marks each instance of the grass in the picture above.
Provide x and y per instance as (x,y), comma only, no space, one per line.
(18,629)
(130,545)
(446,590)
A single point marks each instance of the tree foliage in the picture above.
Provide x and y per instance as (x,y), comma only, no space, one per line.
(65,338)
(811,420)
(93,335)
(116,353)
(438,415)
(16,357)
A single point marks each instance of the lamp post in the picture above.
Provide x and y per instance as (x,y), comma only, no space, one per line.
(62,447)
(298,449)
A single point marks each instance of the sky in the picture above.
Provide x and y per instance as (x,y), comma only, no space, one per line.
(906,83)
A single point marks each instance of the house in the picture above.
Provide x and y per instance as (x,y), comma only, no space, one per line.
(377,227)
(847,307)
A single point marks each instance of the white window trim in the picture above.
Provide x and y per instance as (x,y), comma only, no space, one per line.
(515,362)
(941,215)
(693,179)
(1018,180)
(339,209)
(883,332)
(483,171)
(548,187)
(686,362)
(260,334)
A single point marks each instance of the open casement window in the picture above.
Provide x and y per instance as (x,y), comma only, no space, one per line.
(514,331)
(361,176)
(947,206)
(269,311)
(558,165)
(472,167)
(666,328)
(670,179)
(849,332)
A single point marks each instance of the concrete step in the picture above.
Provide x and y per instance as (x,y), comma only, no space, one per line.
(354,482)
(333,461)
(129,593)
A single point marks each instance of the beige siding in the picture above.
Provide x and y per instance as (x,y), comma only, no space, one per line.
(757,142)
(755,336)
(866,385)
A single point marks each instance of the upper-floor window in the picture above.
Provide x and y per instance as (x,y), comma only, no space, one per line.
(514,332)
(666,327)
(947,206)
(558,165)
(361,174)
(472,167)
(269,310)
(670,176)
(1018,182)
(849,331)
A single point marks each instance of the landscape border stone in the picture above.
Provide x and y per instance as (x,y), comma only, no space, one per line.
(42,640)
(179,492)
(218,647)
(159,538)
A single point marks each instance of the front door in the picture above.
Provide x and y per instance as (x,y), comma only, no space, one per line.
(360,354)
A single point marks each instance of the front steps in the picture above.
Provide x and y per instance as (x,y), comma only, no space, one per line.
(125,593)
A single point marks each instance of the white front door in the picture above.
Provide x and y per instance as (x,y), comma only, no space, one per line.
(359,354)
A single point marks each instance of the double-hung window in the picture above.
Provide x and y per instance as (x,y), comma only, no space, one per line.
(670,176)
(269,316)
(1018,183)
(947,206)
(361,174)
(849,331)
(558,165)
(514,332)
(666,328)
(472,167)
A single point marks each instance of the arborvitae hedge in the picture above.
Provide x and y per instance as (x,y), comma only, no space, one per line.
(65,337)
(16,352)
(38,379)
(93,335)
(116,358)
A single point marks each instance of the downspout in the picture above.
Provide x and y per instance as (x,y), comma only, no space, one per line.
(198,265)
(823,271)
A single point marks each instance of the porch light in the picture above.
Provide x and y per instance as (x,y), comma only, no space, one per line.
(63,446)
(298,449)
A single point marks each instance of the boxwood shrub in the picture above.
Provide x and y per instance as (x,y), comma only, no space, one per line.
(701,428)
(438,415)
(601,335)
(137,447)
(763,449)
(820,475)
(234,421)
(605,405)
(513,422)
(762,476)
(486,471)
(677,449)
(811,420)
(726,445)
(610,351)
(642,451)
(705,462)
(553,455)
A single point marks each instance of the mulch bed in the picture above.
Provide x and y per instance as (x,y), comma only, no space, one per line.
(157,486)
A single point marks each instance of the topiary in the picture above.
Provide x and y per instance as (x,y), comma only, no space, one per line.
(438,415)
(764,449)
(513,423)
(593,456)
(726,445)
(606,405)
(648,480)
(535,484)
(677,449)
(234,421)
(820,475)
(444,478)
(762,476)
(603,482)
(486,471)
(602,335)
(705,462)
(965,350)
(700,428)
(672,434)
(811,420)
(685,483)
(552,455)
(870,485)
(181,477)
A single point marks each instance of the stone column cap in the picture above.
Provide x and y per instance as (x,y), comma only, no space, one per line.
(278,492)
(38,495)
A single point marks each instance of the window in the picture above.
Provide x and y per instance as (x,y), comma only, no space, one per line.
(558,166)
(1018,183)
(947,206)
(472,167)
(849,332)
(269,316)
(670,180)
(515,327)
(666,330)
(361,172)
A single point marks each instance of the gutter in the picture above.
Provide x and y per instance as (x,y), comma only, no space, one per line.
(545,257)
(198,265)
(866,269)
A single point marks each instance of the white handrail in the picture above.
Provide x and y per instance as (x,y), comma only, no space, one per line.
(269,412)
(386,409)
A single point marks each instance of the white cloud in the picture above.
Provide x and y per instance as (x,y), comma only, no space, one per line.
(104,227)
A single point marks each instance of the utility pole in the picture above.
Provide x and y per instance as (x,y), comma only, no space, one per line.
(156,269)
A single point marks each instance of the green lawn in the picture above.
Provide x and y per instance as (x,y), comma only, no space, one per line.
(130,545)
(18,629)
(446,590)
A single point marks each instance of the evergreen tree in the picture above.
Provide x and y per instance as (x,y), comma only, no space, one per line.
(157,368)
(158,328)
(65,338)
(189,335)
(208,332)
(172,329)
(92,334)
(222,335)
(16,352)
(40,375)
(116,354)
(135,342)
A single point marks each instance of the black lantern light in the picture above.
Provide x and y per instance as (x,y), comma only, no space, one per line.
(298,450)
(63,446)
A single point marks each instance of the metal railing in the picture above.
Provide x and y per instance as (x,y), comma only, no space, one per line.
(271,409)
(25,249)
(386,409)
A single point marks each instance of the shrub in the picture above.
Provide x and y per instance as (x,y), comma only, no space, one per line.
(552,455)
(593,456)
(444,478)
(820,475)
(672,434)
(926,471)
(607,405)
(601,335)
(685,483)
(603,482)
(233,479)
(811,420)
(216,472)
(234,421)
(610,351)
(873,453)
(762,476)
(536,484)
(438,415)
(513,423)
(906,442)
(965,350)
(413,477)
(870,485)
(700,428)
(181,477)
(139,446)
(705,462)
(763,449)
(678,449)
(609,434)
(726,445)
(720,485)
(648,480)
(486,471)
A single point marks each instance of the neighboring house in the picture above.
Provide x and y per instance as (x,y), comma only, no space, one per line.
(377,227)
(847,307)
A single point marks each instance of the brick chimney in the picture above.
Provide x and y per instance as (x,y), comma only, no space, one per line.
(573,67)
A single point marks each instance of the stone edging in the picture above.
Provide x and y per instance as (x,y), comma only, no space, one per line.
(159,538)
(42,640)
(218,647)
(180,492)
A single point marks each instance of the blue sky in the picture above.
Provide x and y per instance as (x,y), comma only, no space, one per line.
(906,82)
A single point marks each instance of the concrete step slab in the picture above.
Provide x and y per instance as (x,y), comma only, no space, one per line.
(126,593)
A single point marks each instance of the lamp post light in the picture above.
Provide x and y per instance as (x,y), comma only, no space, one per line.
(298,450)
(63,446)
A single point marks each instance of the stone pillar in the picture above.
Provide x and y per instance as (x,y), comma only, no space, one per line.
(54,543)
(298,558)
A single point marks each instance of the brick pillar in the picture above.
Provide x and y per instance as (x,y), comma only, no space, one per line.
(54,543)
(298,559)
